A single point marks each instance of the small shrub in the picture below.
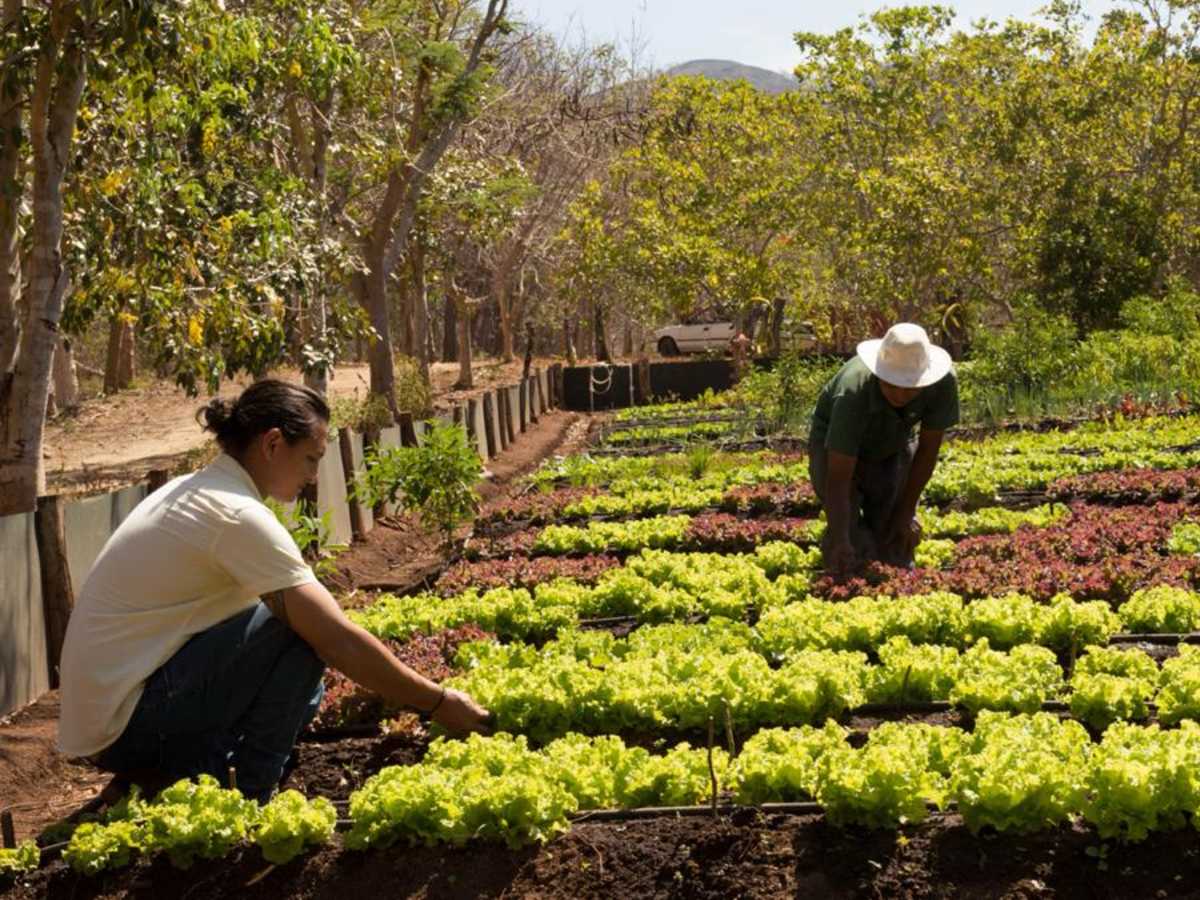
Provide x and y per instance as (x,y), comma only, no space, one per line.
(312,532)
(369,414)
(436,479)
(412,390)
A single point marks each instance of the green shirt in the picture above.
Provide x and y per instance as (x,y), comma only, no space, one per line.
(853,417)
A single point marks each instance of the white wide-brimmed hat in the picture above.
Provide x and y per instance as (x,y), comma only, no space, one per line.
(905,357)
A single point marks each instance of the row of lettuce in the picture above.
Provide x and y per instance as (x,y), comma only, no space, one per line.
(972,472)
(674,678)
(1016,773)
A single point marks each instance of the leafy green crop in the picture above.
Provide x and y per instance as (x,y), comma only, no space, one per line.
(25,857)
(1020,773)
(1111,684)
(1161,610)
(198,818)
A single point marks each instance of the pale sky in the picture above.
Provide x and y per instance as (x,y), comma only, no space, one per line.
(754,32)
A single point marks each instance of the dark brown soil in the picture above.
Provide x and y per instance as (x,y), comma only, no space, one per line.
(37,783)
(746,854)
(335,768)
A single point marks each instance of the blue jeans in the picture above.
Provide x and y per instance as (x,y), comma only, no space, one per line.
(235,695)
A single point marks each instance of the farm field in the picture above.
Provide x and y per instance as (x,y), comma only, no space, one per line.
(686,704)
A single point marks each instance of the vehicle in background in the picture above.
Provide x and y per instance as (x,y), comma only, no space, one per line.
(698,335)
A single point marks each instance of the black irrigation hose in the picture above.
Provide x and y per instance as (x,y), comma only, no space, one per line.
(799,808)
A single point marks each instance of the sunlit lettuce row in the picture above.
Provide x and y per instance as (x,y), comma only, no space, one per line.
(677,434)
(675,531)
(973,471)
(775,580)
(1017,773)
(680,676)
(707,404)
(200,820)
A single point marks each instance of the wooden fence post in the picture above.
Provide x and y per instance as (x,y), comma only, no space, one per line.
(643,381)
(489,425)
(503,422)
(523,405)
(58,593)
(358,522)
(408,434)
(541,396)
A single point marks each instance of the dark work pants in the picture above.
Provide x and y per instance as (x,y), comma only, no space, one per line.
(874,493)
(235,695)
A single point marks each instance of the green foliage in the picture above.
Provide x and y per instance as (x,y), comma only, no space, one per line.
(289,824)
(1142,779)
(25,857)
(1020,773)
(1185,538)
(890,781)
(312,531)
(199,818)
(413,393)
(1031,354)
(436,479)
(599,537)
(1111,684)
(1161,610)
(1179,695)
(786,394)
(1019,681)
(370,414)
(497,789)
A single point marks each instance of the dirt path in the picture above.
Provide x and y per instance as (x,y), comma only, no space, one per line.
(115,440)
(40,786)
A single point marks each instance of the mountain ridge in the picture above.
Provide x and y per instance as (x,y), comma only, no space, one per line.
(729,70)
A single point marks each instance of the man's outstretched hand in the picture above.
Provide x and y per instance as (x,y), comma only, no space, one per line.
(459,714)
(901,541)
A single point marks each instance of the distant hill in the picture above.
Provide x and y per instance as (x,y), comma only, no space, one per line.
(727,70)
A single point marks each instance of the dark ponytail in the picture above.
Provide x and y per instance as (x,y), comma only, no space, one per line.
(292,408)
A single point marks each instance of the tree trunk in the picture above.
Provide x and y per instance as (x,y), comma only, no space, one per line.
(569,341)
(126,357)
(54,105)
(500,287)
(58,592)
(66,381)
(528,364)
(12,190)
(628,339)
(420,299)
(317,377)
(450,336)
(466,378)
(602,353)
(372,294)
(777,313)
(112,358)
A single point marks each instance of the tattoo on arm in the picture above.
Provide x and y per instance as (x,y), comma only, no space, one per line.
(275,603)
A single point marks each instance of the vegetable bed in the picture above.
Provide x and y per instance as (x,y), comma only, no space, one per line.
(1018,715)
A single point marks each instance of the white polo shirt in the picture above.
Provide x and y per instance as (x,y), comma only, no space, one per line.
(197,551)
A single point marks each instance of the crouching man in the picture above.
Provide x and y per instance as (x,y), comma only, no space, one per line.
(867,465)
